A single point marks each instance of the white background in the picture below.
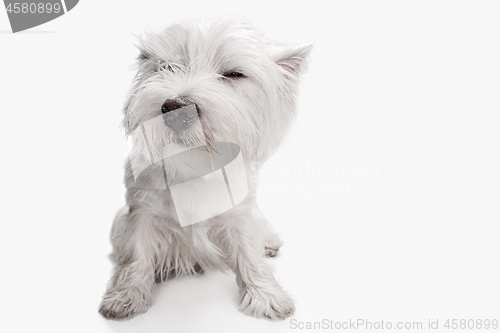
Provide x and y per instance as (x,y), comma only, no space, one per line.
(407,89)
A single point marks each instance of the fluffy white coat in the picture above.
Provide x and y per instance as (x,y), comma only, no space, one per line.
(190,61)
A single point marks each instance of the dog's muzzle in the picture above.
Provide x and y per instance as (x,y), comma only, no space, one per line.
(178,115)
(201,180)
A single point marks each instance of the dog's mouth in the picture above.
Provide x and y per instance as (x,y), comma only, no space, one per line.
(170,133)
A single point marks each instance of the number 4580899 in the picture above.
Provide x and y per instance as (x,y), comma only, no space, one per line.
(33,8)
(455,324)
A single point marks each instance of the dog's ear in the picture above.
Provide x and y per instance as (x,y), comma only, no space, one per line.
(293,58)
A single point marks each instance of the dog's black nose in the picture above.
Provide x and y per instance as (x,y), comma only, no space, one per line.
(178,114)
(172,104)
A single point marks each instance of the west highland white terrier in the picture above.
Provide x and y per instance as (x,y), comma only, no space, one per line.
(241,88)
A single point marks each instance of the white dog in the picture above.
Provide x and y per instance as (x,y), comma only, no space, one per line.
(244,88)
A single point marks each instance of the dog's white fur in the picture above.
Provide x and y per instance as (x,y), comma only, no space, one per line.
(188,61)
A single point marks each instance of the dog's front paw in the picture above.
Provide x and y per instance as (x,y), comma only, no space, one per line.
(124,304)
(270,252)
(273,305)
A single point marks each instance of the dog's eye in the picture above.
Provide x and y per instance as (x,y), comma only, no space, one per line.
(144,56)
(234,75)
(162,66)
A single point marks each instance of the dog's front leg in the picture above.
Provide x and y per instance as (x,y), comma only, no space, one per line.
(261,295)
(129,291)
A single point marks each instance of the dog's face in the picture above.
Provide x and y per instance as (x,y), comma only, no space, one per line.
(242,85)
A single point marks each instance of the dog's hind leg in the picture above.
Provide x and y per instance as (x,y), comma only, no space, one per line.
(272,241)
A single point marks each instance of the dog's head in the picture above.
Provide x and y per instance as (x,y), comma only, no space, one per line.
(242,85)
